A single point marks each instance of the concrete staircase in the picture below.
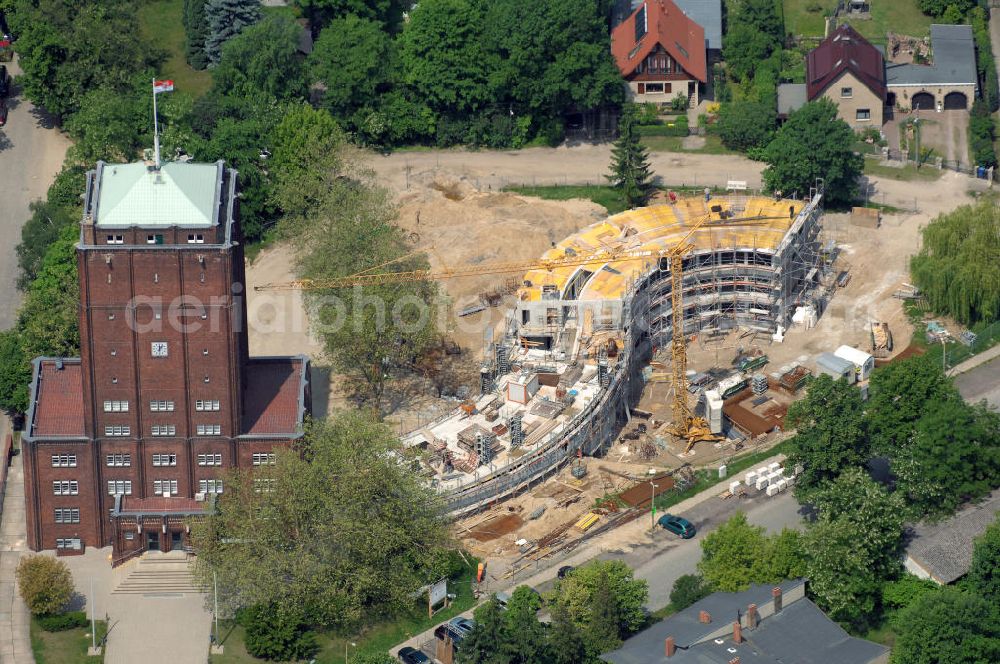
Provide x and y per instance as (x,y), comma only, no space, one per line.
(156,573)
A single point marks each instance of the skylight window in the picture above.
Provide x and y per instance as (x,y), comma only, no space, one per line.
(641,25)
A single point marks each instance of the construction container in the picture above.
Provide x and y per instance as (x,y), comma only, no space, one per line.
(772,489)
(521,389)
(836,367)
(863,362)
(730,385)
(713,410)
(758,383)
(750,479)
(761,483)
(773,466)
(782,483)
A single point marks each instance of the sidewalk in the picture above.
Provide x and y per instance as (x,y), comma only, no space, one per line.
(622,539)
(15,641)
(975,361)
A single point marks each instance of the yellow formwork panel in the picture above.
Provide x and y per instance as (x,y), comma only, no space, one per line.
(762,224)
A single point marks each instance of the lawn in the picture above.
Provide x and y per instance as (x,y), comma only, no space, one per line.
(603,195)
(379,638)
(713,145)
(900,16)
(908,172)
(69,647)
(160,23)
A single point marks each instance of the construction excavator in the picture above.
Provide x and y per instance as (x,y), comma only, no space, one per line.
(685,424)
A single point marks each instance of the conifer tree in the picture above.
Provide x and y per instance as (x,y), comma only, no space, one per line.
(196,30)
(225,20)
(630,170)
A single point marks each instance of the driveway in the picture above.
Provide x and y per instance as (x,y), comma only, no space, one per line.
(31,153)
(947,134)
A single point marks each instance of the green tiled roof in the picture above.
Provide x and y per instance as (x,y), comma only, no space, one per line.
(179,194)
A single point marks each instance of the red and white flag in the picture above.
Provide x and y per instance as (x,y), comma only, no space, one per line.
(163,86)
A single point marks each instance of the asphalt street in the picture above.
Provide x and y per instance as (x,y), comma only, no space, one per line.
(980,383)
(31,153)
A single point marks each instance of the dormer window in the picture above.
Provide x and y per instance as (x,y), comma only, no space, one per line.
(196,238)
(116,239)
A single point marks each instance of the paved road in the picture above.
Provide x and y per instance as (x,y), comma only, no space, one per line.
(31,153)
(980,383)
(15,644)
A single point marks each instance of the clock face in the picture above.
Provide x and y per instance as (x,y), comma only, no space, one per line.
(159,348)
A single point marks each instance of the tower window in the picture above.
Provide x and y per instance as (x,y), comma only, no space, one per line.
(116,239)
(196,238)
(154,239)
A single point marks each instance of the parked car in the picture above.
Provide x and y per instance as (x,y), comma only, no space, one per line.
(564,570)
(3,112)
(4,81)
(503,599)
(410,655)
(449,630)
(464,625)
(677,525)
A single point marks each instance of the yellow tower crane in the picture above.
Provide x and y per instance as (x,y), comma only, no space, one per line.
(685,423)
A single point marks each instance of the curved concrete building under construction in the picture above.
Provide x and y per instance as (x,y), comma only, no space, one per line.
(563,372)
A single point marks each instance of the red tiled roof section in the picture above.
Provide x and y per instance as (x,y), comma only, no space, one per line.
(844,50)
(271,398)
(668,26)
(59,411)
(161,505)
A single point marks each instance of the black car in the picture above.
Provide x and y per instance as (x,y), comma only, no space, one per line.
(564,570)
(4,81)
(410,655)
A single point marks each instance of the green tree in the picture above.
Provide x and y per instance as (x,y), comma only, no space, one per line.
(277,632)
(898,394)
(566,644)
(345,532)
(744,48)
(958,265)
(814,144)
(45,584)
(984,573)
(688,589)
(262,60)
(226,19)
(15,373)
(840,578)
(305,159)
(488,639)
(746,125)
(906,590)
(607,582)
(940,7)
(954,457)
(353,58)
(785,557)
(441,55)
(730,554)
(831,432)
(947,626)
(111,126)
(47,321)
(526,638)
(322,12)
(630,170)
(46,223)
(195,31)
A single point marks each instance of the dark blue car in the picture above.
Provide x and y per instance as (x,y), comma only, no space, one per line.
(677,525)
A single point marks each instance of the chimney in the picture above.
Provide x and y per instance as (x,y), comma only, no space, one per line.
(669,647)
(704,617)
(737,632)
(776,596)
(752,616)
(734,660)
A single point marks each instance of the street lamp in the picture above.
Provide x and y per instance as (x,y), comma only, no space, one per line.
(348,643)
(944,356)
(652,506)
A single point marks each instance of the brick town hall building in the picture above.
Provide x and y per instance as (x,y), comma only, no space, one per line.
(127,442)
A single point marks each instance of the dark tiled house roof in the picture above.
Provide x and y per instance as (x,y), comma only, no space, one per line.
(58,410)
(667,26)
(273,402)
(844,50)
(944,550)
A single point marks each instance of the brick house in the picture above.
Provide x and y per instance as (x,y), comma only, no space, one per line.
(846,69)
(127,442)
(661,53)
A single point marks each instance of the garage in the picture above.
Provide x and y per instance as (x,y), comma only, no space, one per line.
(956,101)
(923,101)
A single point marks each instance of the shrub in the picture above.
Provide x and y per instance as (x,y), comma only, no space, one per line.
(687,590)
(60,622)
(678,127)
(275,634)
(45,583)
(679,102)
(647,114)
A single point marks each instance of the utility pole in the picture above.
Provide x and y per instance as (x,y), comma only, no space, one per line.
(215,611)
(944,357)
(916,137)
(93,623)
(652,506)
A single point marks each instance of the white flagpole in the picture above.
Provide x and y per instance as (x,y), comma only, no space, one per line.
(156,130)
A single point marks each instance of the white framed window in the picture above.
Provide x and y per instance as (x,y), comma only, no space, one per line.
(65,487)
(164,459)
(161,487)
(263,484)
(210,486)
(64,461)
(74,543)
(119,460)
(117,430)
(863,114)
(120,487)
(67,515)
(196,238)
(116,406)
(209,429)
(116,239)
(847,93)
(161,406)
(209,459)
(206,405)
(154,239)
(263,458)
(654,88)
(164,430)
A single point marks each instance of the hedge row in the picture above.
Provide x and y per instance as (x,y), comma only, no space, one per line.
(982,133)
(678,127)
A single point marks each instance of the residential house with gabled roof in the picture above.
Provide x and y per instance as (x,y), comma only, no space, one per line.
(846,69)
(661,52)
